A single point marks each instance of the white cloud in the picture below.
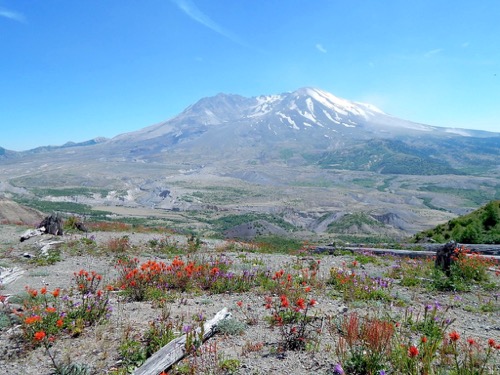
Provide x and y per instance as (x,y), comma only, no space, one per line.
(320,48)
(433,52)
(192,11)
(15,16)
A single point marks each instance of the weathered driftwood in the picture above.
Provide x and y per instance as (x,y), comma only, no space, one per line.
(9,275)
(175,350)
(32,233)
(47,246)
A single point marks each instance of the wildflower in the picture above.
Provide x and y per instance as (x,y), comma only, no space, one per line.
(50,309)
(491,343)
(471,341)
(269,301)
(43,290)
(300,304)
(33,292)
(423,339)
(454,336)
(381,372)
(284,301)
(338,370)
(412,351)
(39,336)
(312,302)
(60,323)
(32,319)
(56,292)
(239,303)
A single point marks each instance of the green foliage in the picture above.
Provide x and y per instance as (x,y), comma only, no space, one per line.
(385,157)
(53,256)
(476,196)
(226,222)
(67,207)
(231,327)
(277,244)
(132,353)
(357,220)
(480,226)
(465,271)
(70,192)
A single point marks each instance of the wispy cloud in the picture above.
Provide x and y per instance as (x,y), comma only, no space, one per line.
(15,16)
(320,48)
(433,52)
(192,11)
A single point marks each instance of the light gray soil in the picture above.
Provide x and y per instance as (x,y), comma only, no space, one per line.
(98,346)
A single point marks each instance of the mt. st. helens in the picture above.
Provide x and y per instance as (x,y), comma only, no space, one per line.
(315,127)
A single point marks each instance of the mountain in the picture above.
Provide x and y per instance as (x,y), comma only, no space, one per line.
(307,156)
(315,127)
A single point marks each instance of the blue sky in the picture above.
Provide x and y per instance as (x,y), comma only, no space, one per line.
(75,70)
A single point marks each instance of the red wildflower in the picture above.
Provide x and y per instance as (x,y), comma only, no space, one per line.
(423,339)
(491,343)
(239,303)
(39,336)
(50,309)
(60,323)
(471,341)
(32,319)
(412,351)
(301,304)
(284,301)
(56,292)
(43,290)
(312,302)
(454,336)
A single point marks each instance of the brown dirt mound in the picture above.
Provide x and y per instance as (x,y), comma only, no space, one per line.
(13,213)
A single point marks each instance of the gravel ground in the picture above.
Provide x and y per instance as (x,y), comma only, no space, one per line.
(97,347)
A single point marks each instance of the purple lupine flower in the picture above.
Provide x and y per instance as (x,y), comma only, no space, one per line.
(338,370)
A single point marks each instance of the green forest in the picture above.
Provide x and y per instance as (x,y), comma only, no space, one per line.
(480,226)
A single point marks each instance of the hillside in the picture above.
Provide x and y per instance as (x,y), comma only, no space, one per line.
(11,212)
(480,226)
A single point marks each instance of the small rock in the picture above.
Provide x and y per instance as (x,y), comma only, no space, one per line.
(342,309)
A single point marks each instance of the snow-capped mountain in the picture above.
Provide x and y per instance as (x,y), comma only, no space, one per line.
(312,123)
(310,126)
(304,109)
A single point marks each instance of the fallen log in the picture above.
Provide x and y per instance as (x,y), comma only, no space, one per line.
(9,275)
(32,233)
(397,252)
(175,350)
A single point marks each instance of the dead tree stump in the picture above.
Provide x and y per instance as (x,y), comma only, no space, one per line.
(444,257)
(52,224)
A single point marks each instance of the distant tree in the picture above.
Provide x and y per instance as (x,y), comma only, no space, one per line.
(491,216)
(471,234)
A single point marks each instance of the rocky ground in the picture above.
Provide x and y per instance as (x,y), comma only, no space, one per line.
(255,347)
